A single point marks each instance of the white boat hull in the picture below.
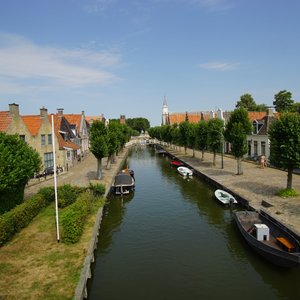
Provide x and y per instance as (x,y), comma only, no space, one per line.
(184,171)
(225,198)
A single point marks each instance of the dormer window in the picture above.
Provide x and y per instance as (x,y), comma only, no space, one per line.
(257,125)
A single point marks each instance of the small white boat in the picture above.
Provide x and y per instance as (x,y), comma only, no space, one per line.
(184,171)
(225,197)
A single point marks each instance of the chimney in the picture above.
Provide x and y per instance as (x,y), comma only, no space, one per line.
(122,119)
(60,111)
(220,114)
(14,109)
(43,112)
(270,112)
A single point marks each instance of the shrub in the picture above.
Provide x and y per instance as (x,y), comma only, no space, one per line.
(47,193)
(19,217)
(73,219)
(67,194)
(10,198)
(287,193)
(97,189)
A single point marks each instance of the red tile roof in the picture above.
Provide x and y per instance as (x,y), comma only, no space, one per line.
(256,115)
(33,123)
(74,119)
(61,142)
(5,120)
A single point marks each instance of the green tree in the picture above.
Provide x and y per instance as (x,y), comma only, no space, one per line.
(246,101)
(113,139)
(215,136)
(18,163)
(283,101)
(192,132)
(99,144)
(139,124)
(236,132)
(202,136)
(284,136)
(296,107)
(175,134)
(183,134)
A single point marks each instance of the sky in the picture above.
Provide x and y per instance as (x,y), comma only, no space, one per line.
(123,57)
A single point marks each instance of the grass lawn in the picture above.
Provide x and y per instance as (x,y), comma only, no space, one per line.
(33,265)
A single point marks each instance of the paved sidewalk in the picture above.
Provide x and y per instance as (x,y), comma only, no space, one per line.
(255,185)
(81,174)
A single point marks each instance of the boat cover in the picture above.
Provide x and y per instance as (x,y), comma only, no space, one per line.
(123,179)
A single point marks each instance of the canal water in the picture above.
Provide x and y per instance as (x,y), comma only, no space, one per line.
(172,240)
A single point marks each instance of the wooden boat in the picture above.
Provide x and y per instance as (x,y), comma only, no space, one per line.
(124,182)
(224,197)
(184,171)
(176,163)
(269,238)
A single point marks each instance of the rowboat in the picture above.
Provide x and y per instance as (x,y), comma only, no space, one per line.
(269,238)
(176,163)
(184,171)
(224,197)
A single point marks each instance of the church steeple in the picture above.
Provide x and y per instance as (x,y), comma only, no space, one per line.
(165,113)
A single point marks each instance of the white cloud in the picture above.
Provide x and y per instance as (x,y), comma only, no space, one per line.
(220,66)
(24,62)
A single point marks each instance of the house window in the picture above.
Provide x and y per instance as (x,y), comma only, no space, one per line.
(48,160)
(43,139)
(255,148)
(68,155)
(255,127)
(49,139)
(263,148)
(249,148)
(22,137)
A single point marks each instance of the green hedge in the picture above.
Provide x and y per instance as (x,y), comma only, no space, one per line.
(19,217)
(73,217)
(11,198)
(67,194)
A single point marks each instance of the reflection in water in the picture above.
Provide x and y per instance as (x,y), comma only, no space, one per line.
(172,240)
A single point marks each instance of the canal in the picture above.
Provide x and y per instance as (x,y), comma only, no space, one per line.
(172,240)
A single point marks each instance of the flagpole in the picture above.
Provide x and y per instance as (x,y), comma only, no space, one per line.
(55,184)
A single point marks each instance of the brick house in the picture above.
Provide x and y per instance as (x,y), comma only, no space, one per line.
(36,130)
(80,129)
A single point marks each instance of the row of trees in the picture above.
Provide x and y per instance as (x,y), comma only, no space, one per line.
(283,102)
(284,135)
(107,141)
(209,135)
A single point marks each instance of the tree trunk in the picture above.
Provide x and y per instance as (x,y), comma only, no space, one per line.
(202,157)
(239,166)
(99,167)
(214,159)
(108,161)
(289,178)
(193,152)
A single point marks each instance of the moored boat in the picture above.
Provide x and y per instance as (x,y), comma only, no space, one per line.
(184,171)
(225,197)
(269,238)
(124,182)
(176,163)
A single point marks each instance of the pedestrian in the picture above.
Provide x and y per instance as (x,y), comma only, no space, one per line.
(262,161)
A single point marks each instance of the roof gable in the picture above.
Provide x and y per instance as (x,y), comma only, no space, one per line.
(5,120)
(33,123)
